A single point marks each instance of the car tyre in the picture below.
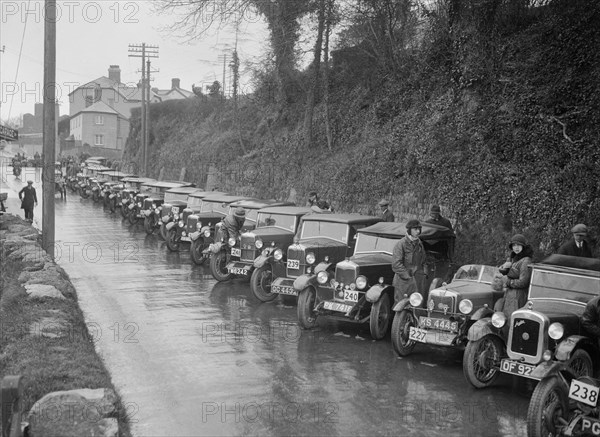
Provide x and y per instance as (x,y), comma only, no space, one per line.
(480,360)
(124,210)
(218,266)
(149,225)
(172,243)
(307,319)
(548,408)
(381,314)
(132,216)
(403,320)
(260,283)
(196,252)
(162,232)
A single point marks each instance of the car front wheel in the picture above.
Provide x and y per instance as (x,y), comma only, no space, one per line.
(196,251)
(381,313)
(172,241)
(149,225)
(548,409)
(260,283)
(132,216)
(581,364)
(481,360)
(218,266)
(307,319)
(401,325)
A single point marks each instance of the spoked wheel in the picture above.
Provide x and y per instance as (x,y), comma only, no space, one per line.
(84,193)
(172,240)
(401,341)
(149,225)
(260,283)
(132,216)
(581,364)
(307,319)
(381,314)
(548,409)
(481,359)
(218,266)
(162,231)
(196,251)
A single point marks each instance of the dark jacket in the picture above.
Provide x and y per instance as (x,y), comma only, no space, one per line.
(570,248)
(519,273)
(442,221)
(28,197)
(232,226)
(387,216)
(590,319)
(408,260)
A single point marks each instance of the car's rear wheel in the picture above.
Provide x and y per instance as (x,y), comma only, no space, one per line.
(381,313)
(132,216)
(307,319)
(172,241)
(84,193)
(149,223)
(162,231)
(218,266)
(548,409)
(481,360)
(196,251)
(401,341)
(260,283)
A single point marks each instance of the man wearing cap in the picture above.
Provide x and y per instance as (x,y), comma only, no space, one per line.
(233,223)
(313,200)
(577,246)
(28,198)
(386,214)
(408,259)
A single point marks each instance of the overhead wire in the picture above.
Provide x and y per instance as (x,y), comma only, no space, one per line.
(12,97)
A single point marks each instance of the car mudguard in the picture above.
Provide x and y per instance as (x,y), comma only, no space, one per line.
(322,267)
(261,260)
(481,313)
(566,347)
(374,293)
(546,369)
(401,305)
(169,225)
(194,236)
(481,328)
(303,281)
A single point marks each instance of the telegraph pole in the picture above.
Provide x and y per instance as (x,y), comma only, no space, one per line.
(49,134)
(144,51)
(147,132)
(1,87)
(224,56)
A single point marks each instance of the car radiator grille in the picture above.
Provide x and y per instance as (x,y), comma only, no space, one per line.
(147,203)
(191,224)
(442,304)
(525,336)
(139,198)
(186,214)
(295,254)
(345,275)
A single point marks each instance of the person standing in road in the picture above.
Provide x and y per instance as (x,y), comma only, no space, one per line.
(28,198)
(516,276)
(386,214)
(408,260)
(577,246)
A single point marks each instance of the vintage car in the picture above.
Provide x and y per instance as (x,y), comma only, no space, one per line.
(200,226)
(174,199)
(107,180)
(176,202)
(88,185)
(544,333)
(359,289)
(323,240)
(126,195)
(149,210)
(225,263)
(450,310)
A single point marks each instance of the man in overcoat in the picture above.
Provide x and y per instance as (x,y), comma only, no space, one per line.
(408,260)
(28,198)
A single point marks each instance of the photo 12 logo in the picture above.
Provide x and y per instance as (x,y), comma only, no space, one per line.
(70,11)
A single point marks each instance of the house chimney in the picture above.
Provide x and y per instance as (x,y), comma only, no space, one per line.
(175,83)
(114,73)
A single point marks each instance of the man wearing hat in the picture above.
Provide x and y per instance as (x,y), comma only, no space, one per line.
(408,260)
(577,246)
(322,205)
(28,198)
(445,249)
(386,214)
(233,223)
(435,217)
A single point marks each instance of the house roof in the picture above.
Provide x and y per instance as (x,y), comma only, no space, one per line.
(101,107)
(132,93)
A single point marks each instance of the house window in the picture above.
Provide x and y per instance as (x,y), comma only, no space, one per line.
(99,140)
(99,119)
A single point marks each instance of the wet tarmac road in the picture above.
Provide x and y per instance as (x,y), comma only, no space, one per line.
(191,356)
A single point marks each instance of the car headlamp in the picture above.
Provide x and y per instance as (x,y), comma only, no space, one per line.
(207,233)
(181,224)
(416,299)
(310,258)
(361,282)
(139,204)
(231,242)
(175,216)
(556,331)
(198,226)
(278,254)
(322,277)
(258,244)
(547,355)
(153,205)
(498,320)
(465,306)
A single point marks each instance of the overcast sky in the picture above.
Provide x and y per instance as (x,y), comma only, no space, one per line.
(91,35)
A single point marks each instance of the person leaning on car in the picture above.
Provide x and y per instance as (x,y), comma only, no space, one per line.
(408,260)
(233,223)
(577,246)
(516,276)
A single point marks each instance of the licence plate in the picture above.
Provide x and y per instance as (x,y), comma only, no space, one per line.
(583,392)
(283,289)
(293,264)
(238,271)
(514,368)
(441,324)
(334,306)
(236,252)
(417,334)
(175,210)
(351,295)
(590,426)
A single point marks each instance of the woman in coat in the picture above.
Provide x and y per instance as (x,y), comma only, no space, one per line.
(28,200)
(516,276)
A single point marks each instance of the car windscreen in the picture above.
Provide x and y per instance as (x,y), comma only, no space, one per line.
(214,206)
(479,273)
(335,231)
(194,202)
(170,197)
(558,285)
(287,222)
(372,243)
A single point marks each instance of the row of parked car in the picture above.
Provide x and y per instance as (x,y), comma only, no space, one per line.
(338,266)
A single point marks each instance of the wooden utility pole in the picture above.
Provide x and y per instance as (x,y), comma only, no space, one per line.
(147,131)
(49,131)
